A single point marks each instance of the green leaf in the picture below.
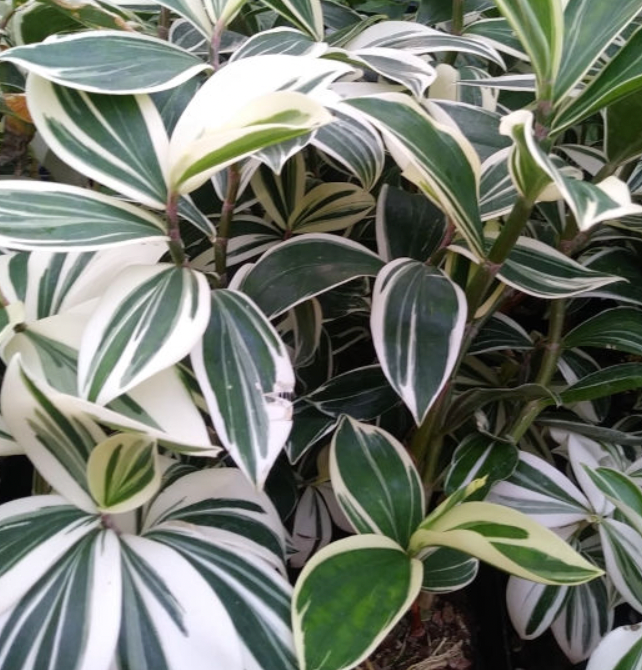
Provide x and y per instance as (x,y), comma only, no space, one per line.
(435,157)
(113,61)
(246,377)
(194,12)
(621,491)
(367,580)
(353,142)
(309,426)
(407,225)
(621,76)
(418,319)
(123,472)
(539,25)
(74,607)
(299,269)
(307,15)
(623,129)
(375,481)
(497,189)
(533,607)
(148,319)
(279,40)
(447,570)
(480,456)
(621,649)
(52,432)
(120,141)
(622,546)
(619,328)
(43,215)
(508,540)
(498,333)
(499,34)
(361,393)
(589,28)
(606,382)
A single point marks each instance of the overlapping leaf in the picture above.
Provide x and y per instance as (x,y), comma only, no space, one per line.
(533,607)
(447,570)
(621,649)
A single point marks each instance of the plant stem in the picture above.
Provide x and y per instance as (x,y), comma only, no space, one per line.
(175,243)
(225,224)
(5,21)
(456,28)
(215,45)
(532,409)
(163,24)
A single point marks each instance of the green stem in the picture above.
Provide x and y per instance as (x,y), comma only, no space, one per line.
(176,248)
(215,45)
(163,24)
(456,28)
(423,446)
(547,369)
(225,223)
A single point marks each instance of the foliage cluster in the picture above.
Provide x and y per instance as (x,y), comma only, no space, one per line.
(275,272)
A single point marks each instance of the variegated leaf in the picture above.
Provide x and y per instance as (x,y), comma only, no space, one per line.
(375,481)
(621,649)
(533,607)
(501,332)
(605,382)
(418,319)
(118,140)
(123,472)
(619,328)
(194,12)
(299,269)
(498,33)
(42,215)
(622,491)
(506,539)
(75,609)
(108,61)
(323,595)
(52,432)
(447,570)
(246,377)
(435,157)
(279,40)
(307,15)
(147,320)
(497,192)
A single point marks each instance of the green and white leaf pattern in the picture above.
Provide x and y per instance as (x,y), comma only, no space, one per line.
(621,649)
(447,570)
(418,319)
(533,607)
(148,319)
(622,545)
(246,377)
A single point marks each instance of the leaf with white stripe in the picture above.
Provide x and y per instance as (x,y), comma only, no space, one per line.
(147,320)
(368,580)
(499,34)
(312,527)
(623,129)
(584,620)
(246,377)
(123,472)
(447,570)
(418,319)
(75,609)
(622,491)
(306,15)
(118,140)
(497,192)
(170,616)
(501,332)
(353,142)
(53,433)
(539,25)
(416,38)
(621,76)
(375,481)
(254,596)
(435,157)
(194,12)
(34,533)
(43,215)
(605,382)
(507,539)
(533,607)
(279,40)
(621,649)
(543,492)
(619,328)
(301,268)
(622,546)
(108,61)
(532,169)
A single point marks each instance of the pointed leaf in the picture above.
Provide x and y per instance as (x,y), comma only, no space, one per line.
(619,328)
(194,12)
(279,40)
(123,472)
(623,129)
(621,649)
(375,481)
(533,607)
(246,377)
(367,580)
(299,269)
(43,215)
(307,15)
(418,318)
(447,570)
(120,141)
(622,546)
(148,319)
(606,382)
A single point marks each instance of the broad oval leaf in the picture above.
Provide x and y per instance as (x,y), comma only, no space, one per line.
(375,481)
(108,61)
(120,141)
(533,607)
(435,157)
(447,570)
(367,580)
(42,215)
(418,319)
(246,377)
(621,649)
(622,546)
(299,269)
(508,540)
(147,320)
(123,472)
